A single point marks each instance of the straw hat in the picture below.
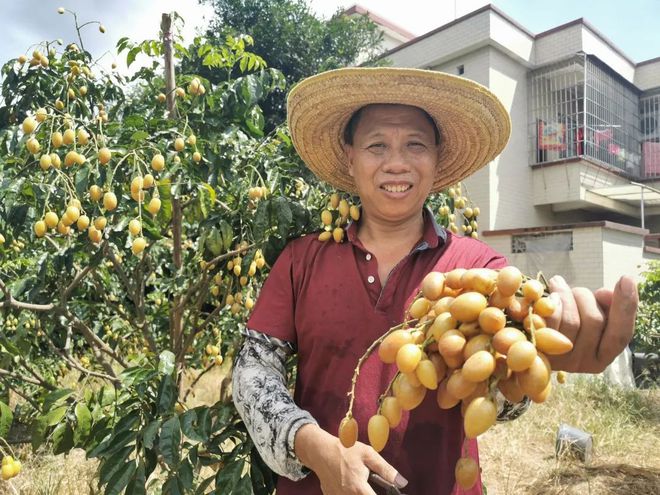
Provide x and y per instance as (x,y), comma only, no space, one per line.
(474,126)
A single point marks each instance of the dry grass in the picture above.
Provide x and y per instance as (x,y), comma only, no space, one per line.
(517,458)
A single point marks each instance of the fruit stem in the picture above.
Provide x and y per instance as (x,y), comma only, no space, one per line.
(387,390)
(364,357)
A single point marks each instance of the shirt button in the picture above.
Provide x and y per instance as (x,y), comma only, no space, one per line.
(368,256)
(371,279)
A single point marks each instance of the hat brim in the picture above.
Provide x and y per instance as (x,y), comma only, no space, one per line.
(474,126)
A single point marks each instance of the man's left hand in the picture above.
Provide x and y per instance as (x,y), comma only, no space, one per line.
(600,324)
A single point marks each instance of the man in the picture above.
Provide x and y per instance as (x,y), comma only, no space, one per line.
(391,136)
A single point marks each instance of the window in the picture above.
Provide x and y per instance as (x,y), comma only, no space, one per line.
(545,242)
(581,107)
(649,126)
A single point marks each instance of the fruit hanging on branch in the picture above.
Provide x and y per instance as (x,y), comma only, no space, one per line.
(467,335)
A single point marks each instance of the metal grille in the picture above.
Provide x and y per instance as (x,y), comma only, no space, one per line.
(649,126)
(546,242)
(579,107)
(556,102)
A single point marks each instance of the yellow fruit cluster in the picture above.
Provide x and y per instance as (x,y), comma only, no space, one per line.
(462,208)
(335,217)
(10,467)
(466,335)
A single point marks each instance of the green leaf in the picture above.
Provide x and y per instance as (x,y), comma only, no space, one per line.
(167,394)
(82,181)
(166,362)
(54,416)
(170,440)
(149,433)
(83,423)
(121,478)
(132,53)
(137,485)
(6,419)
(284,216)
(110,465)
(185,473)
(213,242)
(261,221)
(226,479)
(227,234)
(62,438)
(244,486)
(139,137)
(173,486)
(189,424)
(54,397)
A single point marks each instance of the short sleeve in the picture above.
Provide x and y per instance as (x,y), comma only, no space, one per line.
(274,311)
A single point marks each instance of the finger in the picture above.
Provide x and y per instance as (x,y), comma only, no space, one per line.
(592,325)
(620,321)
(604,298)
(566,317)
(381,467)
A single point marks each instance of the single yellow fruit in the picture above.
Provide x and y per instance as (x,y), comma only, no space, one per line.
(354,213)
(101,28)
(179,144)
(134,227)
(338,234)
(104,156)
(51,219)
(29,125)
(109,201)
(22,59)
(348,432)
(179,92)
(57,139)
(69,137)
(192,140)
(45,162)
(40,228)
(148,181)
(158,162)
(41,114)
(59,104)
(83,222)
(197,156)
(70,159)
(154,206)
(63,228)
(95,193)
(139,243)
(466,472)
(378,431)
(94,234)
(80,158)
(480,415)
(100,223)
(33,146)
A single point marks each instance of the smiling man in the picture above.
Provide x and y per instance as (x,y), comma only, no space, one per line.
(392,137)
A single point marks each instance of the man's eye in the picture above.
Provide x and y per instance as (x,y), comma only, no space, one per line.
(376,147)
(417,146)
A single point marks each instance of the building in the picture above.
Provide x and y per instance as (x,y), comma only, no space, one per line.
(577,189)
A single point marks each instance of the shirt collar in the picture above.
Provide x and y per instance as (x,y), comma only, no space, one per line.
(434,234)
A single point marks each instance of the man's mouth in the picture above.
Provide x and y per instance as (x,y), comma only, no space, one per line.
(396,188)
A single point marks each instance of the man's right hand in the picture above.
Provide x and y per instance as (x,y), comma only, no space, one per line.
(341,471)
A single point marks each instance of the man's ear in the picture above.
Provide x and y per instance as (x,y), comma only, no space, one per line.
(348,151)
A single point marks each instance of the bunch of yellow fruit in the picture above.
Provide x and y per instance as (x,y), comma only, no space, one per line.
(10,467)
(335,217)
(466,335)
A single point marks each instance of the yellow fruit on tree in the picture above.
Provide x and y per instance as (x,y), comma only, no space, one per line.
(33,146)
(69,137)
(83,90)
(95,193)
(192,140)
(179,92)
(161,97)
(94,234)
(179,144)
(72,213)
(197,156)
(134,227)
(45,162)
(22,59)
(41,114)
(80,158)
(109,201)
(40,228)
(158,162)
(139,243)
(100,222)
(63,228)
(83,222)
(29,125)
(57,139)
(51,219)
(148,181)
(59,104)
(154,206)
(83,137)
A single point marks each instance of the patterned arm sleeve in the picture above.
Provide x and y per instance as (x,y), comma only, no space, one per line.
(508,411)
(263,401)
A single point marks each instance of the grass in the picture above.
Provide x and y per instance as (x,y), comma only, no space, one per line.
(518,458)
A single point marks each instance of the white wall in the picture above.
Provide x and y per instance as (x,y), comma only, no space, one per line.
(647,76)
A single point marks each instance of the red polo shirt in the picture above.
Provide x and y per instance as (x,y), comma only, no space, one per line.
(327,299)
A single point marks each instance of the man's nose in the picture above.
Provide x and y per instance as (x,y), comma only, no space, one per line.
(397,161)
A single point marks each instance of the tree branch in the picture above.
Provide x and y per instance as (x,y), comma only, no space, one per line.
(25,379)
